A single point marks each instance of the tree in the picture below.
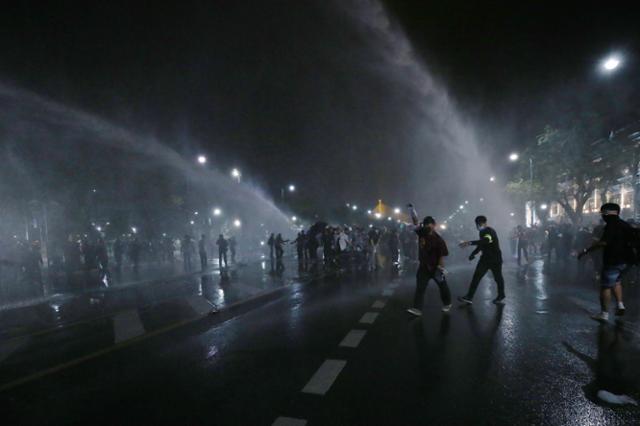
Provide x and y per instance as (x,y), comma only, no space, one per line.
(570,162)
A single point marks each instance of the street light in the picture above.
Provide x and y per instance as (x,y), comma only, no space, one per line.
(235,173)
(292,188)
(396,210)
(513,156)
(217,211)
(237,223)
(492,179)
(543,206)
(611,63)
(354,207)
(293,218)
(202,159)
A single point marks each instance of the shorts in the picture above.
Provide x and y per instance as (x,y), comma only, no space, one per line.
(612,274)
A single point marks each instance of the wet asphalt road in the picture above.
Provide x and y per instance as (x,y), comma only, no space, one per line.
(538,360)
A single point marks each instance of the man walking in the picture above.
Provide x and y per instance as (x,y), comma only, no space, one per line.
(223,246)
(616,257)
(431,252)
(202,251)
(491,259)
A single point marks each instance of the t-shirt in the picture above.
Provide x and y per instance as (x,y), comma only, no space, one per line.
(431,248)
(617,236)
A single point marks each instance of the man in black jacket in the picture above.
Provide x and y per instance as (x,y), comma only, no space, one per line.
(491,259)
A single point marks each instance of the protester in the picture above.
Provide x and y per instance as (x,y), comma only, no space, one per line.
(223,246)
(202,251)
(431,253)
(617,256)
(491,260)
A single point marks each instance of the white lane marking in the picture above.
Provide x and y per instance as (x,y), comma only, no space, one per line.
(394,285)
(353,338)
(289,421)
(387,292)
(324,377)
(200,305)
(11,346)
(369,317)
(127,325)
(379,304)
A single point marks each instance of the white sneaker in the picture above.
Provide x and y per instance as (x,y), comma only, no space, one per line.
(446,308)
(601,316)
(414,311)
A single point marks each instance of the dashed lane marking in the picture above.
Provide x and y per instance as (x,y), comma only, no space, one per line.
(353,338)
(289,421)
(379,304)
(369,317)
(322,380)
(127,325)
(387,292)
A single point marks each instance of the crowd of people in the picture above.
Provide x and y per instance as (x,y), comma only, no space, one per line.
(81,261)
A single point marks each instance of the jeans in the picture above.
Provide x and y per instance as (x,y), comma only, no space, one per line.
(422,279)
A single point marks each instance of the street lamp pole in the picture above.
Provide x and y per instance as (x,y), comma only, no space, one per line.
(531,190)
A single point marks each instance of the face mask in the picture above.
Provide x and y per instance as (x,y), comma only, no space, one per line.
(608,218)
(480,227)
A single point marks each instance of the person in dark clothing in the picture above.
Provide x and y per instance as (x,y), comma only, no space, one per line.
(202,251)
(300,242)
(327,245)
(272,244)
(616,257)
(232,249)
(279,245)
(552,241)
(491,260)
(102,256)
(431,252)
(394,246)
(89,254)
(523,244)
(223,246)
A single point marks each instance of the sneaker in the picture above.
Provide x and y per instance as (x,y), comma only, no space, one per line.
(620,312)
(414,311)
(601,316)
(463,299)
(446,308)
(499,301)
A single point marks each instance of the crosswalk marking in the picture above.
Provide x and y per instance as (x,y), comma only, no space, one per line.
(379,304)
(289,421)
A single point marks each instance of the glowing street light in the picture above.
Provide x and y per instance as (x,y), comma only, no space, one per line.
(134,229)
(368,211)
(396,210)
(492,179)
(292,188)
(544,206)
(202,159)
(235,173)
(293,218)
(611,63)
(217,211)
(512,214)
(354,207)
(237,223)
(378,215)
(513,156)
(461,207)
(443,226)
(191,222)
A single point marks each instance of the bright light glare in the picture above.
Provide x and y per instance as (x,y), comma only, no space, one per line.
(443,226)
(512,214)
(492,179)
(544,206)
(191,222)
(293,218)
(368,211)
(98,228)
(237,223)
(292,188)
(611,63)
(261,243)
(134,229)
(217,212)
(235,173)
(461,207)
(196,213)
(513,156)
(354,207)
(202,159)
(378,215)
(396,210)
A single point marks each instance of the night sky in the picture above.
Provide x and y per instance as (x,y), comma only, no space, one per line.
(282,90)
